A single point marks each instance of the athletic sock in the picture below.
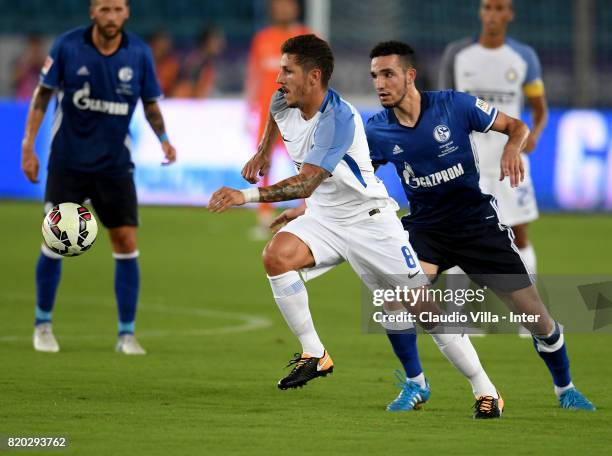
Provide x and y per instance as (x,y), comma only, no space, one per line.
(420,379)
(291,297)
(405,348)
(48,274)
(461,353)
(551,349)
(529,257)
(457,279)
(127,286)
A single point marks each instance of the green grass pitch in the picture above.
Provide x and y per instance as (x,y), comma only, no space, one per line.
(217,345)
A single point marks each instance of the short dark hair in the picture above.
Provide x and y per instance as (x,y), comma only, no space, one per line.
(311,52)
(403,50)
(93,2)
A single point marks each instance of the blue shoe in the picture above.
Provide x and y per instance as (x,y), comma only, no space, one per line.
(411,396)
(574,400)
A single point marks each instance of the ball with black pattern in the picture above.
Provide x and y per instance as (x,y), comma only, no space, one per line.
(69,229)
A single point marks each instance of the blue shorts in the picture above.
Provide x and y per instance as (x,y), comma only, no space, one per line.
(485,252)
(112,197)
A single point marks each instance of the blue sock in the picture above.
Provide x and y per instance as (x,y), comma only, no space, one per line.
(48,274)
(552,350)
(127,285)
(405,347)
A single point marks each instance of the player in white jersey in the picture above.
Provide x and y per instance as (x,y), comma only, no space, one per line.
(502,71)
(349,216)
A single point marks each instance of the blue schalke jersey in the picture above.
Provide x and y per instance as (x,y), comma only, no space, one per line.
(97,95)
(436,159)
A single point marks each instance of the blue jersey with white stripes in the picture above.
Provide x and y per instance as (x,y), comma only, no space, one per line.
(97,95)
(436,160)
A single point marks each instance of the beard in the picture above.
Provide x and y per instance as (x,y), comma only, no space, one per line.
(107,32)
(297,93)
(396,103)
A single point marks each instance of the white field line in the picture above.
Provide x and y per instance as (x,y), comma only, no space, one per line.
(244,322)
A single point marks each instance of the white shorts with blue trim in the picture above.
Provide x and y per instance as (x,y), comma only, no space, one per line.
(377,249)
(515,205)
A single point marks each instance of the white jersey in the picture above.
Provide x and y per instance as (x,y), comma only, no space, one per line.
(334,139)
(500,76)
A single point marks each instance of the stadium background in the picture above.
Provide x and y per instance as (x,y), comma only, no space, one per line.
(572,167)
(215,348)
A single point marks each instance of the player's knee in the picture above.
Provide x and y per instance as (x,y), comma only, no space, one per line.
(277,259)
(123,241)
(520,236)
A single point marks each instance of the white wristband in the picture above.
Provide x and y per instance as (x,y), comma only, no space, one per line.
(251,195)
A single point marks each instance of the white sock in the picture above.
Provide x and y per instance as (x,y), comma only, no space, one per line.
(559,390)
(529,257)
(292,300)
(460,352)
(456,279)
(420,379)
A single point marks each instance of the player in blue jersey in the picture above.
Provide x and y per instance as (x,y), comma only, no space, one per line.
(426,136)
(504,72)
(98,73)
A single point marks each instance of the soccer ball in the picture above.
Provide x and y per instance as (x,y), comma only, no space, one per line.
(69,229)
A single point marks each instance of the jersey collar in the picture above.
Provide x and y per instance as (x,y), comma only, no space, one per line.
(328,97)
(424,105)
(88,39)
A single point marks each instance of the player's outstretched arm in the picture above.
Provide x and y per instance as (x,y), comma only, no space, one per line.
(259,164)
(539,118)
(156,120)
(29,162)
(295,187)
(511,162)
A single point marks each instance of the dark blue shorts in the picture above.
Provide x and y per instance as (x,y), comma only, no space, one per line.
(112,197)
(485,252)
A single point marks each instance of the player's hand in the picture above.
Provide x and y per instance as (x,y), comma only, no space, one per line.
(169,153)
(258,165)
(512,167)
(224,198)
(285,217)
(532,142)
(29,162)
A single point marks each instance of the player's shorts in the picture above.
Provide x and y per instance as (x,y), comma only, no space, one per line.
(516,205)
(486,253)
(113,198)
(377,249)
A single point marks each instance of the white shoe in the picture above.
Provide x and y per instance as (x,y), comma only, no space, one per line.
(523,332)
(44,340)
(128,345)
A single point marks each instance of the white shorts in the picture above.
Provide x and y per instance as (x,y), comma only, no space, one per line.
(515,205)
(377,249)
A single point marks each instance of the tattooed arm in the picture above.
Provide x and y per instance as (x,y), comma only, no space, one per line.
(36,113)
(156,120)
(295,187)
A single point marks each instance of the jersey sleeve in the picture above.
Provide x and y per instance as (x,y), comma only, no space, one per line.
(446,76)
(278,106)
(51,74)
(151,91)
(333,136)
(376,154)
(479,114)
(533,85)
